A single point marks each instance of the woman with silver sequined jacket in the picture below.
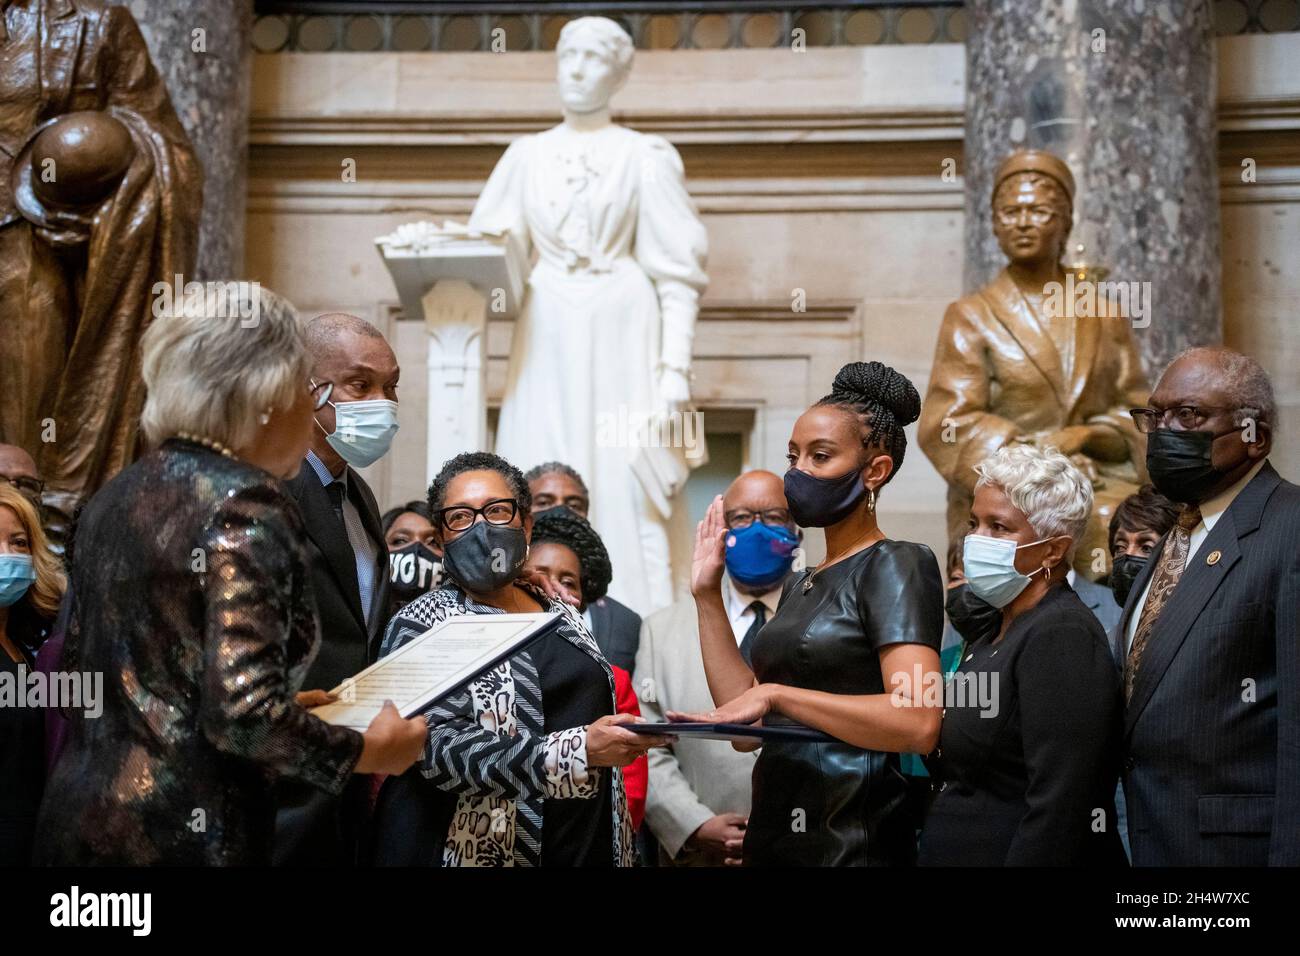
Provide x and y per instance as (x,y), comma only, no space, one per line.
(191,597)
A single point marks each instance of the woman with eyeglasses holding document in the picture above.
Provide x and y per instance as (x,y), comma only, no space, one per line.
(523,767)
(850,651)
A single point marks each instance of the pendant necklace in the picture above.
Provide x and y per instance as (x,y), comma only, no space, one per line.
(808,581)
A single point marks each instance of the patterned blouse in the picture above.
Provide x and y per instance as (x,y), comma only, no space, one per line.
(487,745)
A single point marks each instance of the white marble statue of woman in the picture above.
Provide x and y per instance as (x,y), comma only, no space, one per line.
(605,333)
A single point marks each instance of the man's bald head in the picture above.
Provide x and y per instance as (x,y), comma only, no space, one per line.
(355,358)
(18,467)
(755,491)
(1239,379)
(15,462)
(1236,406)
(329,332)
(760,495)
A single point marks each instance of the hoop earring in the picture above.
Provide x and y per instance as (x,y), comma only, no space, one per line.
(871,500)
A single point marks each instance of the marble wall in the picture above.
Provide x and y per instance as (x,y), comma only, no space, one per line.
(1126,96)
(831,176)
(203,49)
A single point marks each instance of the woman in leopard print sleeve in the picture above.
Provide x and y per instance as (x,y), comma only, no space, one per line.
(523,768)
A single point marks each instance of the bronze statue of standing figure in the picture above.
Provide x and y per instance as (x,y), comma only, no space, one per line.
(100,193)
(1012,366)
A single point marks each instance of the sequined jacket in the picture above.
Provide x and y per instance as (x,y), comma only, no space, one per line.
(193,600)
(489,748)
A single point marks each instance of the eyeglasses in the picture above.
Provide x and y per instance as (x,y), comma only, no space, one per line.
(461,517)
(743,519)
(1189,417)
(326,390)
(31,487)
(1038,215)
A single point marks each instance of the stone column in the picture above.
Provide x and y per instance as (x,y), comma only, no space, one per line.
(1124,91)
(452,278)
(203,49)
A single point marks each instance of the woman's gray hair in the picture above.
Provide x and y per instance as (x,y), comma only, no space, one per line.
(1044,486)
(215,363)
(613,39)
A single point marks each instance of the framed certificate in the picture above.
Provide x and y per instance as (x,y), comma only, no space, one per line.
(439,662)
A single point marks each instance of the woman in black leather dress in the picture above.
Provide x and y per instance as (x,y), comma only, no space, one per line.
(850,651)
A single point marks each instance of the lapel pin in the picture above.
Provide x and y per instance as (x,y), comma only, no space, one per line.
(1213,557)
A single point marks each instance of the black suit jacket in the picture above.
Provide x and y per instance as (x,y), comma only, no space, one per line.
(348,641)
(1212,733)
(313,828)
(617,630)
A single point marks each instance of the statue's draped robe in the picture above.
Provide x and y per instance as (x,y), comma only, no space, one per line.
(73,313)
(999,377)
(620,265)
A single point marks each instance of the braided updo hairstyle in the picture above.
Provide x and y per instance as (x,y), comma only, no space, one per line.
(884,400)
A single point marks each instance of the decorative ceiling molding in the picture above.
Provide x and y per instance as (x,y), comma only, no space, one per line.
(718,310)
(477,129)
(920,124)
(437,200)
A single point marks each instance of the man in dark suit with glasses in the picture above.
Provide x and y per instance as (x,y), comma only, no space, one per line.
(1209,643)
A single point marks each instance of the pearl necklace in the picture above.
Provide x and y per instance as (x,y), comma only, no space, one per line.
(211,443)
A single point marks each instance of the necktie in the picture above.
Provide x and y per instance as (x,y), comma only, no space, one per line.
(760,618)
(337,491)
(1173,558)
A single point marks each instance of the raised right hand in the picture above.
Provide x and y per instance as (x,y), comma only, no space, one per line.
(710,551)
(392,743)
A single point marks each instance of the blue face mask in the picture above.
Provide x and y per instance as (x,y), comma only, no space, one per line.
(16,576)
(363,431)
(761,555)
(990,568)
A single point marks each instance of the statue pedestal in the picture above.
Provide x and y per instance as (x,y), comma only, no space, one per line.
(453,279)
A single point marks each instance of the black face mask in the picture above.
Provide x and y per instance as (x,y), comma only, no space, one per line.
(1123,572)
(820,502)
(1180,465)
(413,570)
(485,557)
(973,618)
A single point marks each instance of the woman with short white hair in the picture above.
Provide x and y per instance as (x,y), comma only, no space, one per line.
(191,596)
(1028,751)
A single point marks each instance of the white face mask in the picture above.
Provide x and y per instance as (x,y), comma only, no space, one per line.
(990,568)
(363,431)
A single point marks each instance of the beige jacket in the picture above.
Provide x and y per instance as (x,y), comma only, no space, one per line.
(694,779)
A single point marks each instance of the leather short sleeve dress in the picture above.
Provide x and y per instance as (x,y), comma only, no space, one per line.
(833,804)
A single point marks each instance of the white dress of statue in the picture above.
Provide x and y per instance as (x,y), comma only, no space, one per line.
(609,312)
